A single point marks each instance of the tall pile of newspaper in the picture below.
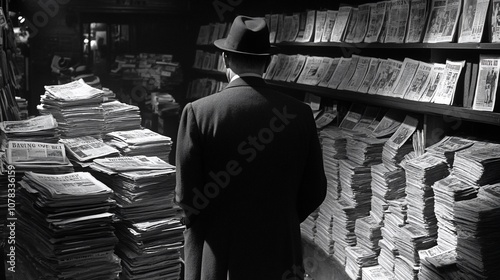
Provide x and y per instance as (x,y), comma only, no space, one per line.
(149,230)
(76,107)
(394,219)
(120,116)
(333,144)
(447,192)
(64,228)
(437,263)
(386,185)
(448,146)
(358,258)
(479,233)
(368,234)
(38,129)
(478,165)
(140,142)
(83,150)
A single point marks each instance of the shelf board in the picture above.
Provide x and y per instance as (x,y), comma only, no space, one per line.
(464,46)
(397,103)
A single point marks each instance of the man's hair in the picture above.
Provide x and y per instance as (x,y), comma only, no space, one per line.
(248,61)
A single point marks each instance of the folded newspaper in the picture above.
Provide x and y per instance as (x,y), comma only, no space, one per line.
(35,153)
(135,163)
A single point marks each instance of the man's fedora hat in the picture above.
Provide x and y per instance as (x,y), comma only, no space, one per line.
(248,35)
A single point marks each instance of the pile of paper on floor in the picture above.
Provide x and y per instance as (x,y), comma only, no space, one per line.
(386,185)
(39,129)
(119,116)
(355,181)
(64,228)
(479,164)
(357,258)
(149,227)
(437,263)
(448,146)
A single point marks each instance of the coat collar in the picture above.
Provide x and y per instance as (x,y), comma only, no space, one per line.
(247,81)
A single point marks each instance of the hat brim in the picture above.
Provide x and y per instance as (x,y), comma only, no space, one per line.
(220,44)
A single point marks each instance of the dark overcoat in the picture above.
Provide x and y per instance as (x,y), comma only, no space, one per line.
(249,171)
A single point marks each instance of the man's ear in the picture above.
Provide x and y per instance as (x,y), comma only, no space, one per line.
(225,59)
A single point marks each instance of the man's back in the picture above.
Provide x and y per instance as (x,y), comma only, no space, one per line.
(258,152)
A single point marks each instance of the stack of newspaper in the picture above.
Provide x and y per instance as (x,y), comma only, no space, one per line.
(448,146)
(447,192)
(368,234)
(357,258)
(386,185)
(140,142)
(343,229)
(410,240)
(397,146)
(64,228)
(479,234)
(394,219)
(421,173)
(119,116)
(437,263)
(333,145)
(83,150)
(76,107)
(478,165)
(404,269)
(376,272)
(355,181)
(149,230)
(365,150)
(38,157)
(39,129)
(308,226)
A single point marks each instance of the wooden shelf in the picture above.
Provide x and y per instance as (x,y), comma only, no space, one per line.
(463,46)
(397,103)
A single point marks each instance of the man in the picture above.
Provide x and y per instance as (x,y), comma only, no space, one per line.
(249,170)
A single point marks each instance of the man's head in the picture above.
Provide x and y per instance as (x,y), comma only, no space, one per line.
(247,47)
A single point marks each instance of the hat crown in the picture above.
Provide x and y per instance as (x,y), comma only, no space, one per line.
(247,35)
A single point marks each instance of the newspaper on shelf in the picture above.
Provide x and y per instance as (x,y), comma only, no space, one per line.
(446,90)
(377,15)
(495,21)
(35,153)
(44,122)
(416,21)
(136,163)
(474,14)
(87,148)
(72,91)
(404,132)
(442,22)
(487,83)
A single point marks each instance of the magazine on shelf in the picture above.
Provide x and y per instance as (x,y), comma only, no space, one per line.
(351,26)
(203,35)
(350,72)
(343,16)
(331,17)
(271,68)
(297,68)
(408,70)
(435,79)
(377,16)
(446,91)
(360,72)
(487,83)
(385,25)
(419,82)
(279,67)
(389,123)
(287,25)
(370,75)
(389,80)
(328,74)
(380,77)
(309,75)
(294,28)
(307,35)
(273,27)
(324,69)
(416,21)
(474,14)
(281,29)
(283,73)
(473,84)
(494,21)
(398,19)
(361,26)
(319,25)
(442,22)
(339,72)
